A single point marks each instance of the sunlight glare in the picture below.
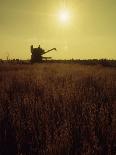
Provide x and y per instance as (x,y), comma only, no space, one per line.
(64,16)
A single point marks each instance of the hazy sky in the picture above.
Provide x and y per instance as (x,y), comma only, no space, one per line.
(90,31)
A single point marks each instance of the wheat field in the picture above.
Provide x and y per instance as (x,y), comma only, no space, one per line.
(57,109)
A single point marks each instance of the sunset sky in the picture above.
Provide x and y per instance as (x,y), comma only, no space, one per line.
(79,29)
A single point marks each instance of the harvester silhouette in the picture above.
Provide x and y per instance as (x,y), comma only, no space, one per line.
(37,54)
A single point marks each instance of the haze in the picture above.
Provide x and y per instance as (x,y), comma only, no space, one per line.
(89,33)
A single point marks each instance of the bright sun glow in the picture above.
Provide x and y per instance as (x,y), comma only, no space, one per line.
(64,16)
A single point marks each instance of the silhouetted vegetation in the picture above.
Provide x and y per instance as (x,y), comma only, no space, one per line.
(103,62)
(57,109)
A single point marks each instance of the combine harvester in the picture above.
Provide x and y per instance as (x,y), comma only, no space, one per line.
(37,54)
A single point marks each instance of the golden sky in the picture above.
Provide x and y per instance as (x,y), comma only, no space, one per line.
(90,31)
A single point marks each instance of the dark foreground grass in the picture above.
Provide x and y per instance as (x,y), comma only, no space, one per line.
(57,109)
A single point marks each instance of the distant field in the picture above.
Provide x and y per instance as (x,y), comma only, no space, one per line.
(57,109)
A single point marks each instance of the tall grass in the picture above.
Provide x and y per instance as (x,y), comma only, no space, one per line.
(57,109)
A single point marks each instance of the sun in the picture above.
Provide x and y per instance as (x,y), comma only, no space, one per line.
(64,16)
